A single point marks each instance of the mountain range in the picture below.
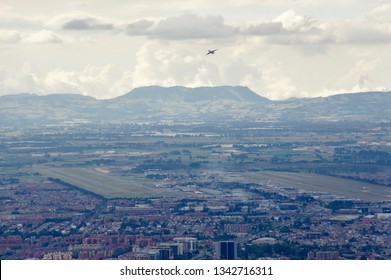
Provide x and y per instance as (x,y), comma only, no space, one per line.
(224,103)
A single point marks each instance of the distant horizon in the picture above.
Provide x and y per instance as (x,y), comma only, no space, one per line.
(189,87)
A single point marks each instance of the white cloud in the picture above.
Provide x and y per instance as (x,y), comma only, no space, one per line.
(359,77)
(92,80)
(9,36)
(185,26)
(288,28)
(169,64)
(381,14)
(361,32)
(276,52)
(41,37)
(269,79)
(371,28)
(276,85)
(12,20)
(266,28)
(24,81)
(293,22)
(173,63)
(292,29)
(158,63)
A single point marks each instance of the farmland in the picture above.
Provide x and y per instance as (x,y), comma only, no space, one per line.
(327,184)
(104,184)
(159,159)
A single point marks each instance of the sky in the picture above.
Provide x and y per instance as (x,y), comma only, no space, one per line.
(278,48)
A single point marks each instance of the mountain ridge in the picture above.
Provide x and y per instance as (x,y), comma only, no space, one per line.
(224,103)
(238,93)
(156,87)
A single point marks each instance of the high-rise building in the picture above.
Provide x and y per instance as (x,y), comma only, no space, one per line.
(165,253)
(226,250)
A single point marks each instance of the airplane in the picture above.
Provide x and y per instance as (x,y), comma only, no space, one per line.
(211,52)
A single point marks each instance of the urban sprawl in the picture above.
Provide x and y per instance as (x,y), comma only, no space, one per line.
(157,191)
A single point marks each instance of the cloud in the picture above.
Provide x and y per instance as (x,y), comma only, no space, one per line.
(292,29)
(41,37)
(289,28)
(9,36)
(170,63)
(371,28)
(359,77)
(10,20)
(193,26)
(295,23)
(140,27)
(80,21)
(185,26)
(289,54)
(91,80)
(381,14)
(266,28)
(361,32)
(276,85)
(87,24)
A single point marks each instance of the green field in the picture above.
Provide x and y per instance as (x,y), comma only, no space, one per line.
(315,182)
(111,186)
(106,185)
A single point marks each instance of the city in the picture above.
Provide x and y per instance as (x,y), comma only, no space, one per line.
(195,191)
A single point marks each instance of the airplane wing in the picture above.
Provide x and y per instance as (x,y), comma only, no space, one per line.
(211,51)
